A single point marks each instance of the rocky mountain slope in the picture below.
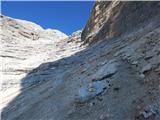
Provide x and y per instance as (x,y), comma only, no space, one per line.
(116,18)
(49,76)
(25,46)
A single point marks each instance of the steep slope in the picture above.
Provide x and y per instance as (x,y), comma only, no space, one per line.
(25,46)
(116,79)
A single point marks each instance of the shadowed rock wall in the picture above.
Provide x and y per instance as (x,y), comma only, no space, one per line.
(113,19)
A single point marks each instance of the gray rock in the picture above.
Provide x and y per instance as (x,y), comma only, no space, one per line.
(106,70)
(92,90)
(146,68)
(44,71)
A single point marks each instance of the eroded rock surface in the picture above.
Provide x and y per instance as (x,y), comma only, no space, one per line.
(116,18)
(25,46)
(61,79)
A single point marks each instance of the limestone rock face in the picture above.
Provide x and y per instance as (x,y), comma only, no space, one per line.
(24,46)
(54,77)
(28,30)
(116,18)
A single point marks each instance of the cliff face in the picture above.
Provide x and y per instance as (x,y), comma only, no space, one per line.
(114,19)
(49,76)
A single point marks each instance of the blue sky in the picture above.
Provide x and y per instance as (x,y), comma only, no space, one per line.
(64,16)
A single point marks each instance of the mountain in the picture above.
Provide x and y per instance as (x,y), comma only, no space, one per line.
(110,70)
(25,46)
(116,18)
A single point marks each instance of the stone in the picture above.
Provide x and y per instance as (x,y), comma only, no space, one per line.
(106,71)
(142,76)
(104,116)
(135,62)
(149,112)
(90,91)
(146,68)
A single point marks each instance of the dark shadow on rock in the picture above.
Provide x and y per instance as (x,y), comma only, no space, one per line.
(42,92)
(28,105)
